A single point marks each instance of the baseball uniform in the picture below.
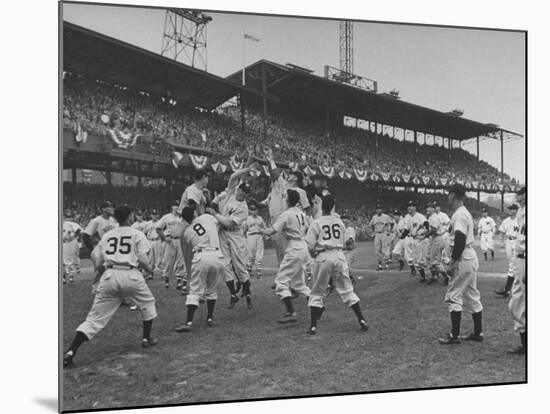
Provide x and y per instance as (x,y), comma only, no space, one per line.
(399,245)
(193,192)
(156,245)
(98,226)
(436,243)
(232,240)
(517,297)
(486,230)
(445,224)
(414,250)
(378,224)
(350,254)
(462,290)
(119,249)
(172,260)
(255,243)
(510,229)
(71,249)
(140,225)
(207,263)
(291,224)
(327,235)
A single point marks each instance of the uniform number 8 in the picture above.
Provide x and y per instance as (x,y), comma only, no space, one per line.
(121,245)
(331,232)
(199,229)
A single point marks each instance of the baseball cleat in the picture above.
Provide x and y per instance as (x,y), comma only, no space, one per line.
(312,330)
(71,280)
(233,301)
(518,350)
(449,340)
(186,327)
(379,267)
(288,318)
(179,285)
(248,302)
(149,342)
(68,360)
(401,265)
(472,337)
(387,267)
(64,281)
(364,326)
(273,286)
(210,322)
(201,300)
(502,293)
(133,307)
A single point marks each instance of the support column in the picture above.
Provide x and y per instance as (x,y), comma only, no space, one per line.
(242,112)
(477,148)
(264,103)
(376,142)
(73,176)
(449,140)
(415,146)
(502,168)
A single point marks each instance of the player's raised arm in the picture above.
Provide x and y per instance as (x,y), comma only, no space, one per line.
(274,171)
(234,178)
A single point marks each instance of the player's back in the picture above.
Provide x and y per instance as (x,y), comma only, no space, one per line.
(291,224)
(202,233)
(329,232)
(122,245)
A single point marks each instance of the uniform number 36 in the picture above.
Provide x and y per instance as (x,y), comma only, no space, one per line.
(121,245)
(331,232)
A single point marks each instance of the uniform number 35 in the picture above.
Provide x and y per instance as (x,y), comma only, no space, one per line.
(117,245)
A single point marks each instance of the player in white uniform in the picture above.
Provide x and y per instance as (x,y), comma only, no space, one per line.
(121,251)
(325,240)
(99,225)
(445,223)
(462,292)
(194,195)
(233,212)
(350,248)
(509,229)
(290,278)
(155,242)
(253,227)
(140,223)
(517,297)
(436,243)
(71,248)
(378,225)
(169,229)
(414,230)
(201,236)
(486,228)
(398,250)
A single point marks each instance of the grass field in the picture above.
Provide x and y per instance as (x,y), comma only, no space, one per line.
(248,355)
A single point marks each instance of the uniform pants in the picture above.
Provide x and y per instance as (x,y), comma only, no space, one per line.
(234,250)
(486,242)
(410,245)
(172,260)
(155,254)
(462,292)
(116,286)
(207,271)
(291,274)
(517,297)
(446,255)
(327,265)
(280,246)
(379,247)
(511,255)
(255,244)
(350,256)
(399,248)
(436,248)
(71,258)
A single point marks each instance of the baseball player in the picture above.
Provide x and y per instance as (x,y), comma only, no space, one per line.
(350,248)
(208,266)
(194,195)
(233,212)
(325,240)
(253,227)
(509,230)
(517,297)
(445,223)
(436,243)
(290,278)
(413,230)
(486,229)
(155,242)
(462,290)
(140,224)
(121,251)
(169,228)
(399,238)
(98,226)
(378,225)
(71,248)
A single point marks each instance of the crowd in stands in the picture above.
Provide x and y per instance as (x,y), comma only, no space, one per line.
(97,106)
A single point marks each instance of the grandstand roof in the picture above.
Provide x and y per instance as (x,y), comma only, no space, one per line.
(289,82)
(109,59)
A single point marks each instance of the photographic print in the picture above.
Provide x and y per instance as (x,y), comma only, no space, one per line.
(265,206)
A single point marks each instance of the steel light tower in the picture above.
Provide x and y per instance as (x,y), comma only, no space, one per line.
(184,37)
(346,46)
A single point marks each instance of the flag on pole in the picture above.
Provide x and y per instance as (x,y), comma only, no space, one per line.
(250,37)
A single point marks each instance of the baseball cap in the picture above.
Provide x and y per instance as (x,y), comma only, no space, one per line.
(513,207)
(435,204)
(484,210)
(378,206)
(252,206)
(430,205)
(154,211)
(396,212)
(245,188)
(411,204)
(458,189)
(106,204)
(138,213)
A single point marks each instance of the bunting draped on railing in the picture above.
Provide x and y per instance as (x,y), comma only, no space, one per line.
(327,171)
(235,164)
(360,174)
(199,161)
(219,168)
(123,140)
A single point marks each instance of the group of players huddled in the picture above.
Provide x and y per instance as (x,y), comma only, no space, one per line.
(205,239)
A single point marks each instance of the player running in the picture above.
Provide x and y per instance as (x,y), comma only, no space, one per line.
(71,248)
(486,229)
(290,278)
(325,240)
(462,290)
(509,229)
(378,225)
(253,227)
(208,266)
(122,251)
(169,228)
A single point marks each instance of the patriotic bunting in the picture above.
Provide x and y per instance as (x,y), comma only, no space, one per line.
(123,140)
(199,161)
(219,168)
(328,171)
(361,174)
(176,159)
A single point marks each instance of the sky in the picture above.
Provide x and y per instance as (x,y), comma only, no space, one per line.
(479,71)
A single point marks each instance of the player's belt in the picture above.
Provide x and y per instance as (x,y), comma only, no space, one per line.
(512,238)
(522,255)
(379,232)
(206,249)
(330,248)
(254,234)
(121,267)
(485,232)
